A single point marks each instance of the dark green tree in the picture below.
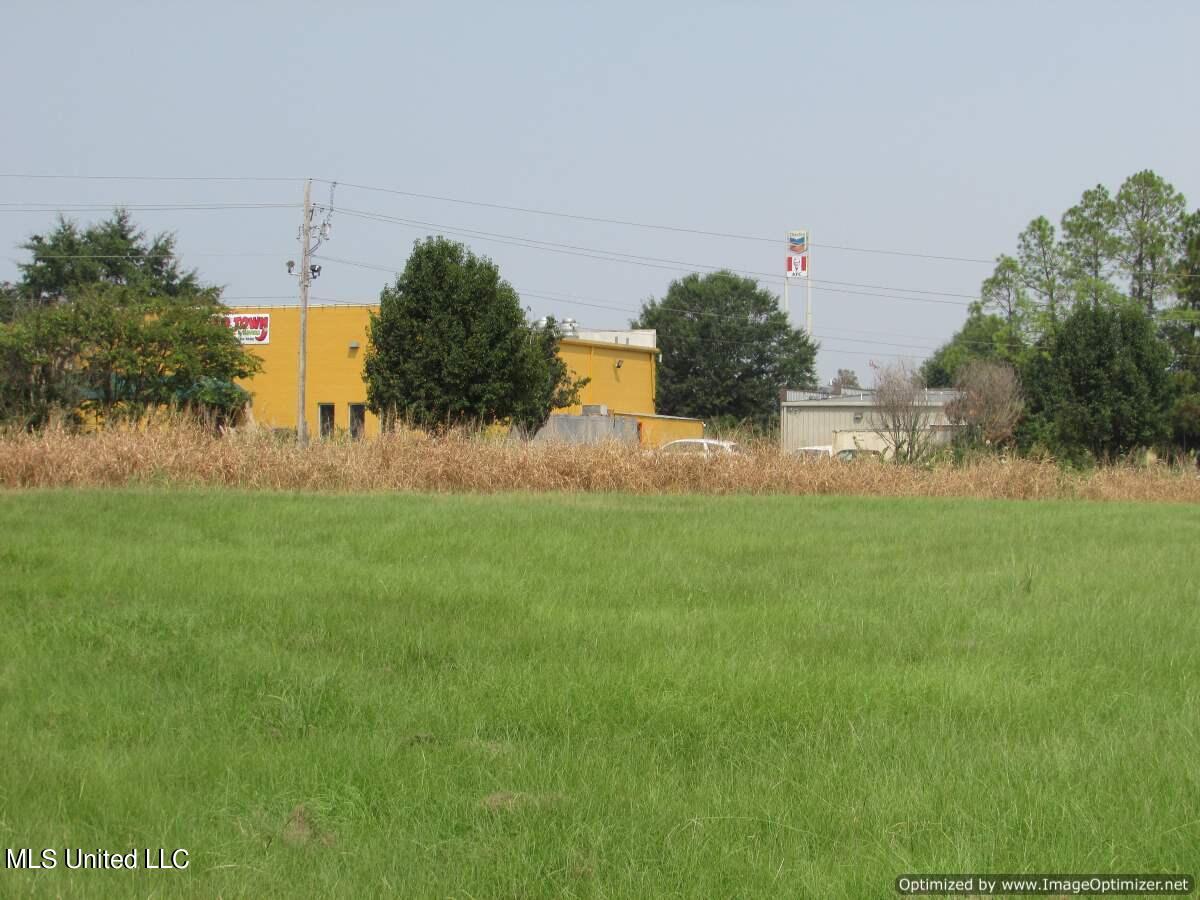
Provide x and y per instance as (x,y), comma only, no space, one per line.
(727,349)
(111,252)
(1099,384)
(1186,275)
(1181,329)
(551,384)
(450,345)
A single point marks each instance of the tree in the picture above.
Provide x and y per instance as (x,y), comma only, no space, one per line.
(9,301)
(111,252)
(1004,292)
(1040,263)
(1149,212)
(727,349)
(1100,383)
(1186,275)
(1090,245)
(845,380)
(1141,233)
(901,416)
(103,323)
(112,352)
(38,369)
(551,384)
(450,345)
(1181,328)
(989,401)
(983,336)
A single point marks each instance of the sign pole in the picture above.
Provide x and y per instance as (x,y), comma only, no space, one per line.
(808,294)
(797,267)
(787,305)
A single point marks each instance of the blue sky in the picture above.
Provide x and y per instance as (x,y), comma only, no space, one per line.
(937,128)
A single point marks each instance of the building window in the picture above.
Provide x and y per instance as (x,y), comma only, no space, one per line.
(325,413)
(358,420)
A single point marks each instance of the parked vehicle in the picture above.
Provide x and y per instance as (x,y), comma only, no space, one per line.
(699,446)
(851,454)
(823,452)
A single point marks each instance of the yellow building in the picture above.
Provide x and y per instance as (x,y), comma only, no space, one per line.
(620,366)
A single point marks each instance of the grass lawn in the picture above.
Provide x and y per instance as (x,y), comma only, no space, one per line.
(593,695)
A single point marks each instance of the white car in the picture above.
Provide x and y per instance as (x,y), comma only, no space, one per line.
(699,447)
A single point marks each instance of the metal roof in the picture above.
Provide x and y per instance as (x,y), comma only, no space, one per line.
(855,397)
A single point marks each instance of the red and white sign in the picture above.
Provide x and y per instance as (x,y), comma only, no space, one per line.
(797,266)
(250,328)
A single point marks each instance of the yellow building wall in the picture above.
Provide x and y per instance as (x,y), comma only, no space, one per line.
(627,388)
(335,371)
(654,431)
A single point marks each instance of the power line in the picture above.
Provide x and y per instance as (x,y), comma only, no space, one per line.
(362,304)
(917,337)
(230,178)
(608,255)
(628,223)
(744,319)
(140,207)
(921,349)
(260,297)
(596,304)
(505,207)
(609,306)
(576,301)
(454,229)
(657,227)
(39,257)
(515,240)
(393,270)
(628,258)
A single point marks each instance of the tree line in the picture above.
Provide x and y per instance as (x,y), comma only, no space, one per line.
(1099,317)
(1084,341)
(105,325)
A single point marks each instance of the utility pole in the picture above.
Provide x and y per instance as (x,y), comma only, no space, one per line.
(308,272)
(305,281)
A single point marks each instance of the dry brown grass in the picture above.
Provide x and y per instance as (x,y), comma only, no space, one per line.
(179,455)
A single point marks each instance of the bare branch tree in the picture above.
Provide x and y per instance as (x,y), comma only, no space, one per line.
(901,415)
(989,400)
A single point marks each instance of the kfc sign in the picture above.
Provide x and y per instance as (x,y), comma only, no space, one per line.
(250,329)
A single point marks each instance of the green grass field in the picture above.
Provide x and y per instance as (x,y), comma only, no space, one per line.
(593,696)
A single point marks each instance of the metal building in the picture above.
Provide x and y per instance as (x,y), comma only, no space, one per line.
(846,421)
